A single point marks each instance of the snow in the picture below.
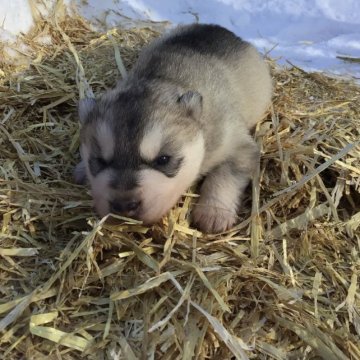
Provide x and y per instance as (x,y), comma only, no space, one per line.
(308,33)
(15,16)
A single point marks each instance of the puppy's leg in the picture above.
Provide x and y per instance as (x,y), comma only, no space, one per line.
(222,189)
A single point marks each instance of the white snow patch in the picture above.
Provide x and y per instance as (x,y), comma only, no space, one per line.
(308,33)
(15,16)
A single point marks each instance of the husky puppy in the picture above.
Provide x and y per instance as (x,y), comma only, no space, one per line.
(183,113)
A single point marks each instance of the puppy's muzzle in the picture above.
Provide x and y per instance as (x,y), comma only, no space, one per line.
(126,207)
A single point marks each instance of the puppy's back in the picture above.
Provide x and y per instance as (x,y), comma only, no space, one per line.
(226,70)
(191,41)
(210,40)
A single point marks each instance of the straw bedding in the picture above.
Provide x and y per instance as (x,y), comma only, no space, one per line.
(282,285)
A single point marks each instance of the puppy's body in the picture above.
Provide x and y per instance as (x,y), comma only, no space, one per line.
(184,111)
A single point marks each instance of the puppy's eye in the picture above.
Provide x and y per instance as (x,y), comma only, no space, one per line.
(97,164)
(101,162)
(162,160)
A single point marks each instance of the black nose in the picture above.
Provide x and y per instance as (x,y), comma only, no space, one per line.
(123,207)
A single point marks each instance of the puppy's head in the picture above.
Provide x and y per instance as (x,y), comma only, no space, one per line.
(141,147)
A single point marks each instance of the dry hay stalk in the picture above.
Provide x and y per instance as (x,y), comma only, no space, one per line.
(282,285)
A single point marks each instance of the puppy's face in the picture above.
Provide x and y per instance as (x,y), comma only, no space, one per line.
(141,150)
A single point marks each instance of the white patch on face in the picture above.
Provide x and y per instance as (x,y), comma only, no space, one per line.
(100,192)
(106,140)
(151,142)
(99,185)
(160,193)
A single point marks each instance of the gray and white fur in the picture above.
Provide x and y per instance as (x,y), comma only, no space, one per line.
(184,113)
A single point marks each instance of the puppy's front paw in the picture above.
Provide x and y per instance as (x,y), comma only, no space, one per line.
(213,219)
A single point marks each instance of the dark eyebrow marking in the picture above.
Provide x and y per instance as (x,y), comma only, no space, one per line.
(126,180)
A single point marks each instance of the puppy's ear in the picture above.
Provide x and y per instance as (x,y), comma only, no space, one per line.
(192,103)
(85,108)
